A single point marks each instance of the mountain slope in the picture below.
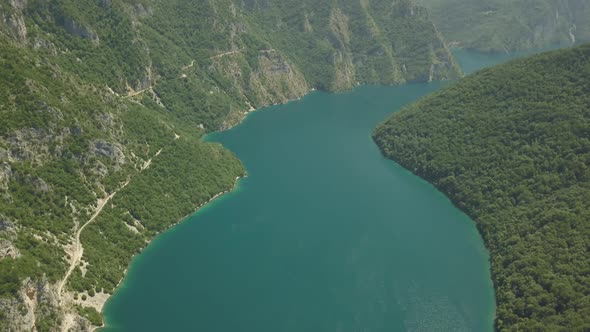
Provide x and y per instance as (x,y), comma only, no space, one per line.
(506,25)
(510,145)
(356,42)
(104,103)
(65,144)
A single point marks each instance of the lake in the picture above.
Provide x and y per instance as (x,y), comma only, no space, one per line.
(323,235)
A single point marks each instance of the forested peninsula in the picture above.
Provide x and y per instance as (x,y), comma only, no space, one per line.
(510,146)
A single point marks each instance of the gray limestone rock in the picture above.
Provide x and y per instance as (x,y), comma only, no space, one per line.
(79,30)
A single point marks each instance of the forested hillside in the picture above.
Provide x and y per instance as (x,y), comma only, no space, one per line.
(508,25)
(510,146)
(103,104)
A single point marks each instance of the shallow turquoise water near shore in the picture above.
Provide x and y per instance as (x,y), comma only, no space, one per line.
(323,235)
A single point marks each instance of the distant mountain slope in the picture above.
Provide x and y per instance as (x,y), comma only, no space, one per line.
(510,145)
(103,103)
(508,25)
(340,44)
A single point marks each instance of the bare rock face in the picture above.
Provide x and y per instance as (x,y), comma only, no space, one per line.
(280,78)
(142,11)
(79,30)
(108,150)
(17,27)
(40,43)
(17,315)
(274,81)
(344,71)
(46,302)
(80,324)
(18,4)
(105,149)
(5,173)
(35,302)
(14,21)
(7,227)
(34,305)
(7,236)
(274,63)
(20,311)
(29,144)
(106,120)
(100,169)
(8,249)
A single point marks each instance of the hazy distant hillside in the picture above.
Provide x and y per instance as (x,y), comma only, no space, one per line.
(502,25)
(111,97)
(510,145)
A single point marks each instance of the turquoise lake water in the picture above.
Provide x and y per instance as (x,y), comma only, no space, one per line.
(323,235)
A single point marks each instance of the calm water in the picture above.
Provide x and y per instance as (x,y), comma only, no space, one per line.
(323,235)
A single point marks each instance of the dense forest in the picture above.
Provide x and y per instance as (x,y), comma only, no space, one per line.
(508,25)
(510,146)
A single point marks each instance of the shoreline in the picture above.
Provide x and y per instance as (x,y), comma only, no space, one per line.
(226,203)
(107,297)
(246,113)
(251,109)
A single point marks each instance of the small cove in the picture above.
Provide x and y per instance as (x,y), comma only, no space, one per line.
(323,235)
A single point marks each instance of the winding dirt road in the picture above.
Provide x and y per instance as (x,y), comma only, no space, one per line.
(78,249)
(226,53)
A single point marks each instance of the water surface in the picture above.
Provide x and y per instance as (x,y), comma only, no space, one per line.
(323,235)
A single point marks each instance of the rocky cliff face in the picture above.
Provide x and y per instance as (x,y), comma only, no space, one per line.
(94,95)
(340,45)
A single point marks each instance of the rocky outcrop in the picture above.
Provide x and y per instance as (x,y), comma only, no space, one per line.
(80,30)
(18,314)
(142,11)
(13,20)
(273,81)
(35,302)
(8,249)
(42,44)
(282,82)
(31,144)
(111,151)
(344,71)
(18,4)
(16,26)
(5,170)
(7,236)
